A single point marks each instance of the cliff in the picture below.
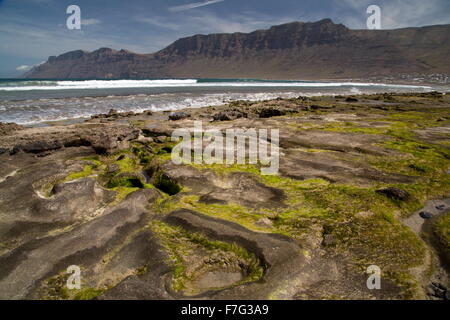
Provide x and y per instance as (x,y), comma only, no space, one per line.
(295,50)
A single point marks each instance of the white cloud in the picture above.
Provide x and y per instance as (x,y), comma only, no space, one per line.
(395,13)
(194,5)
(414,13)
(160,23)
(27,67)
(40,42)
(244,22)
(40,1)
(89,22)
(207,22)
(24,68)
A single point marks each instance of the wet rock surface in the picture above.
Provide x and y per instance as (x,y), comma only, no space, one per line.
(178,116)
(395,193)
(103,138)
(8,128)
(353,179)
(227,116)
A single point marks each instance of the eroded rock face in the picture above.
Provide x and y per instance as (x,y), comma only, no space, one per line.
(395,193)
(235,187)
(88,239)
(271,112)
(316,50)
(229,115)
(103,138)
(36,200)
(178,116)
(107,198)
(8,128)
(334,168)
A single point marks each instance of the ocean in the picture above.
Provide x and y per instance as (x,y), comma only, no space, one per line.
(38,102)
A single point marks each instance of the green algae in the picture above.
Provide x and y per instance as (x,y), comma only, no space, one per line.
(181,245)
(229,211)
(165,184)
(87,294)
(87,171)
(55,288)
(442,230)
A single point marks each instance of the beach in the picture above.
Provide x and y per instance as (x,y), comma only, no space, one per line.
(38,102)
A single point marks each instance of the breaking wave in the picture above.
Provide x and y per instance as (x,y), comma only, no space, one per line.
(167,83)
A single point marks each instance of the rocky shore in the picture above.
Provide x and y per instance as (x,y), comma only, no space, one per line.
(355,175)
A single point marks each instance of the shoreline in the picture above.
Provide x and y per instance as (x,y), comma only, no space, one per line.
(69,121)
(36,108)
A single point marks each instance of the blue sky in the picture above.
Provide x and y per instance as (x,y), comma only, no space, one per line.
(32,30)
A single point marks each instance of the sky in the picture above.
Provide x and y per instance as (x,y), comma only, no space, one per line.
(33,30)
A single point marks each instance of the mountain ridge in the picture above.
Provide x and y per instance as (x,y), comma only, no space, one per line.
(296,50)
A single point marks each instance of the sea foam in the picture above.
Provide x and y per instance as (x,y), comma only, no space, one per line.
(188,83)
